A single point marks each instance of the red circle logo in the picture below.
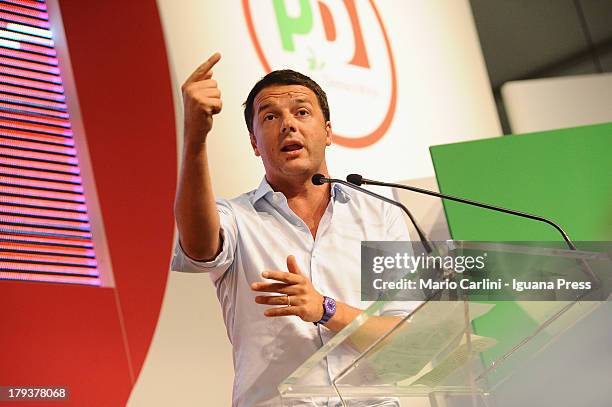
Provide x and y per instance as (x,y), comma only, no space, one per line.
(345,46)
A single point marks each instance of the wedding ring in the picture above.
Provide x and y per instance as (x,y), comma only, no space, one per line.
(288,301)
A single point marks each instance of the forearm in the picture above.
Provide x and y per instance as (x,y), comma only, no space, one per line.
(195,208)
(344,315)
(370,331)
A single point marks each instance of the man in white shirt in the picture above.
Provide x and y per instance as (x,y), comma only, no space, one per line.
(284,258)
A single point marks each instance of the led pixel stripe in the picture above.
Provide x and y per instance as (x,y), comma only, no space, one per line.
(55,186)
(43,213)
(49,278)
(37,146)
(45,230)
(54,158)
(37,248)
(7,265)
(23,73)
(30,192)
(42,231)
(53,70)
(42,138)
(16,18)
(44,175)
(37,94)
(34,4)
(21,162)
(44,240)
(36,127)
(14,52)
(30,84)
(25,11)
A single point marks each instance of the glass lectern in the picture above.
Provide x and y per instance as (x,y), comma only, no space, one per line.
(439,351)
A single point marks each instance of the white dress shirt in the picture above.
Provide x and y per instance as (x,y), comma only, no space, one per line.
(259,232)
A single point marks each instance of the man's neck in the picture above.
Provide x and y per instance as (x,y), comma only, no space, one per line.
(307,200)
(300,187)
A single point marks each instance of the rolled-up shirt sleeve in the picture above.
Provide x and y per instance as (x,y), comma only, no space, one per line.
(220,264)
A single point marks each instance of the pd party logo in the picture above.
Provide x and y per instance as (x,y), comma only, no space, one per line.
(343,45)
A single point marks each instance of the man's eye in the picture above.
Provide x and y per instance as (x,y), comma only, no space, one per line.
(302,112)
(268,117)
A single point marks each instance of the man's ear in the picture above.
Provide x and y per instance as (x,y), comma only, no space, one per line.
(328,130)
(254,144)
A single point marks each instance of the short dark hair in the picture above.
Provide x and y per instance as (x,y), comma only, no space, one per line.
(283,77)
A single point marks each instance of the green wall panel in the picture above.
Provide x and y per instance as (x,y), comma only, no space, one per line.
(564,175)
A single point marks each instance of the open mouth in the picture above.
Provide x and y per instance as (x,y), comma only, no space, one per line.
(291,147)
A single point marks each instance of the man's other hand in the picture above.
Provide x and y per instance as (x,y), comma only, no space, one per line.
(201,100)
(299,297)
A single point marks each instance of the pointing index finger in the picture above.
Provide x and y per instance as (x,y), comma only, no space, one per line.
(205,68)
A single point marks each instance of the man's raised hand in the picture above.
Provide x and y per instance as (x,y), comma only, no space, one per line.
(300,296)
(201,100)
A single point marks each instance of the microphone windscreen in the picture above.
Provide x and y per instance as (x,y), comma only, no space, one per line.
(317,179)
(355,179)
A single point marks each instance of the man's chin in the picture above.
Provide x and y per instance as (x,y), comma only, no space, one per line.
(297,167)
(299,172)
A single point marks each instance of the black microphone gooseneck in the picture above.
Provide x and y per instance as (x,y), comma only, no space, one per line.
(357,179)
(319,179)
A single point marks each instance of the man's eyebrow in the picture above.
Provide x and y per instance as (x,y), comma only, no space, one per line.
(301,100)
(267,105)
(263,107)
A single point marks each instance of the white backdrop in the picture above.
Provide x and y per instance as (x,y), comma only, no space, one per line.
(555,103)
(442,95)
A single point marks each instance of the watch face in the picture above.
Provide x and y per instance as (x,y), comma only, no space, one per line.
(330,306)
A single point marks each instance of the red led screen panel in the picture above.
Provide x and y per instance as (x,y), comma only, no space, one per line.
(45,223)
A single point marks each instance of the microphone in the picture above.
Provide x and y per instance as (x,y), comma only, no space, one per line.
(319,179)
(357,179)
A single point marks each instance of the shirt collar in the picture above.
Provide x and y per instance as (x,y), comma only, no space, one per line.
(262,190)
(337,192)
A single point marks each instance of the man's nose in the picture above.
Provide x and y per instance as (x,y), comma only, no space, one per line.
(288,124)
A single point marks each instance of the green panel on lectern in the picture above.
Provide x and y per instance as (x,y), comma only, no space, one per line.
(564,175)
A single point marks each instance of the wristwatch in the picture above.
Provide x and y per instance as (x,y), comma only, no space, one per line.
(329,310)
